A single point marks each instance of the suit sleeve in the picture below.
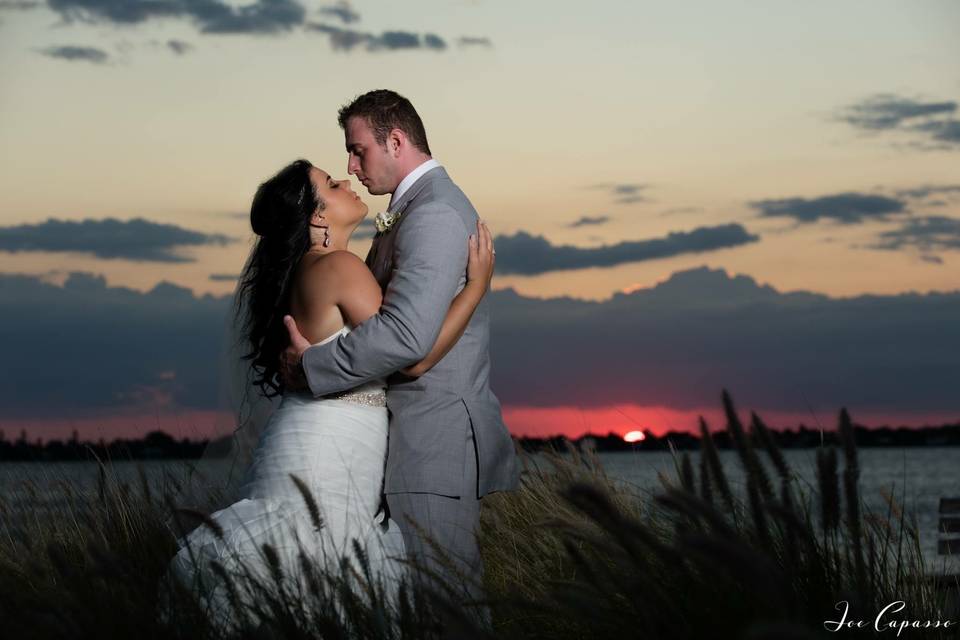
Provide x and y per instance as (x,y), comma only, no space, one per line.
(430,261)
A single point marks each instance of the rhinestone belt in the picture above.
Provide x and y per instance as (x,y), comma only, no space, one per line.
(371,398)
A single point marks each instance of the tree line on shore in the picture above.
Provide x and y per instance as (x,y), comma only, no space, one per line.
(159,445)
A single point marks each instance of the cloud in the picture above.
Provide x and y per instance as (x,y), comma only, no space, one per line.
(341,10)
(946,131)
(77,54)
(589,220)
(104,348)
(224,277)
(925,191)
(260,17)
(525,254)
(348,39)
(210,16)
(137,239)
(887,112)
(89,346)
(179,47)
(928,233)
(472,41)
(624,193)
(846,208)
(678,343)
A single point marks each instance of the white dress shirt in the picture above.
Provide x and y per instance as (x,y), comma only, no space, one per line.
(411,177)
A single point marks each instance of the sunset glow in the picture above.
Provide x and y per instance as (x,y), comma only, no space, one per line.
(736,220)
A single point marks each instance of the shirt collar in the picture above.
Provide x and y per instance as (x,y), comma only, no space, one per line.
(411,177)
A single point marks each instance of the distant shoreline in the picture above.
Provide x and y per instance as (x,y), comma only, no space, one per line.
(158,445)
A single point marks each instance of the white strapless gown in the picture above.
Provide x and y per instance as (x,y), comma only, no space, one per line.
(338,447)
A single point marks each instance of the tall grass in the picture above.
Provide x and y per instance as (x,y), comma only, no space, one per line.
(572,554)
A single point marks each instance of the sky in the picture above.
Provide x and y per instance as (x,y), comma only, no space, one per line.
(763,197)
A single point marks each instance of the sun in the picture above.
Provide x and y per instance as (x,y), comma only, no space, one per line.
(635,436)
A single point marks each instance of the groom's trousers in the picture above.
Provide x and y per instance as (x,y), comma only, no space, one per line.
(451,524)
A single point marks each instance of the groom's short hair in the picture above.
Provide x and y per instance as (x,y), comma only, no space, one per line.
(384,111)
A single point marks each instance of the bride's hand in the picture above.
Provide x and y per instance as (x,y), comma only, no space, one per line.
(482,256)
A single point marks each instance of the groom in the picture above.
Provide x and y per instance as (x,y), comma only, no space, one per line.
(448,446)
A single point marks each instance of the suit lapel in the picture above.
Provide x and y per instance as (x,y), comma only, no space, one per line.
(416,188)
(380,256)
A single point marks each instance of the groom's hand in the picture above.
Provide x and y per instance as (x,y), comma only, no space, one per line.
(291,360)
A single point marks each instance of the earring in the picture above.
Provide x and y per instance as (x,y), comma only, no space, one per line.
(326,231)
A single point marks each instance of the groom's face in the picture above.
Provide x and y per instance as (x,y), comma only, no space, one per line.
(374,167)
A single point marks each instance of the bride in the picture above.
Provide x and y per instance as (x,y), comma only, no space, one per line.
(314,484)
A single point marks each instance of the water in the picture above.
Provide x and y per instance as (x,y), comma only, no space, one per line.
(918,477)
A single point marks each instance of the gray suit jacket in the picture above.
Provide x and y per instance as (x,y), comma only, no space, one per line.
(420,263)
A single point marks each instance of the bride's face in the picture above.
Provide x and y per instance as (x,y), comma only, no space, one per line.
(343,205)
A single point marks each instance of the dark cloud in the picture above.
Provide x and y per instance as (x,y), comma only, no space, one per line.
(433,41)
(589,221)
(846,208)
(179,47)
(258,17)
(678,343)
(472,41)
(400,40)
(88,346)
(928,233)
(136,239)
(945,131)
(526,254)
(341,10)
(224,277)
(926,191)
(624,193)
(265,16)
(348,39)
(889,112)
(118,11)
(105,348)
(210,16)
(77,54)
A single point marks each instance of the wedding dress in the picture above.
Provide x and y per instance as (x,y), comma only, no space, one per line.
(337,447)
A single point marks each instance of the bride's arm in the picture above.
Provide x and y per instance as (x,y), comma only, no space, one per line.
(479,272)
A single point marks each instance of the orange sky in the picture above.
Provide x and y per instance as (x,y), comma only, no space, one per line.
(704,108)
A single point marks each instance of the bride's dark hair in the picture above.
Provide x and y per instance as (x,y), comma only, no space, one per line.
(280,216)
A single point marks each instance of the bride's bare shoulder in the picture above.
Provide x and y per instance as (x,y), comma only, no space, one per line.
(342,279)
(339,271)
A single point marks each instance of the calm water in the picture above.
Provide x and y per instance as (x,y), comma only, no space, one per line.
(917,477)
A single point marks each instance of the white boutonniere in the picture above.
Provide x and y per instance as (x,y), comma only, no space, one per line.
(385,220)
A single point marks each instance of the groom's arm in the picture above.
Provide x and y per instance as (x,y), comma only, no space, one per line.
(430,260)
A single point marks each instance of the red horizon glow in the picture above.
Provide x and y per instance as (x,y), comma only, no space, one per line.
(523,421)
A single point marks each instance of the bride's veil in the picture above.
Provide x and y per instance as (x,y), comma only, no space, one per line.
(244,412)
